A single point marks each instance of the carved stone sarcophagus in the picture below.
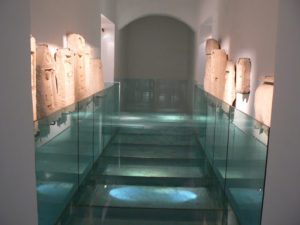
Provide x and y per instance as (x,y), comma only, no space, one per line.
(211,45)
(218,72)
(77,44)
(229,91)
(243,71)
(65,77)
(45,82)
(97,75)
(263,100)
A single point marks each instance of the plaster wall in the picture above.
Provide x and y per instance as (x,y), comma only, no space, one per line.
(245,29)
(282,198)
(17,162)
(108,9)
(52,19)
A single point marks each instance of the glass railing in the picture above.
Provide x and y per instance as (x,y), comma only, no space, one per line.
(68,143)
(236,146)
(156,96)
(161,152)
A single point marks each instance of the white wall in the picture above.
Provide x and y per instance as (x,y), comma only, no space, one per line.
(245,29)
(282,199)
(207,14)
(250,31)
(52,19)
(17,163)
(108,9)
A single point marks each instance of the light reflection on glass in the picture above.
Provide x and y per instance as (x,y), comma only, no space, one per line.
(135,194)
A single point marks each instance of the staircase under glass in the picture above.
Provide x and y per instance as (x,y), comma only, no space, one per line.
(155,175)
(109,167)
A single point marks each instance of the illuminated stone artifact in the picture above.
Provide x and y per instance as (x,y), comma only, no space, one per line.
(65,77)
(89,83)
(263,100)
(33,76)
(97,75)
(218,72)
(229,90)
(77,44)
(45,82)
(243,70)
(211,45)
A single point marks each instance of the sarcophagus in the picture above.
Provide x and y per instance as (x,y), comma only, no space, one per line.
(80,76)
(229,91)
(218,72)
(211,45)
(65,77)
(45,82)
(81,57)
(89,83)
(263,100)
(243,71)
(33,76)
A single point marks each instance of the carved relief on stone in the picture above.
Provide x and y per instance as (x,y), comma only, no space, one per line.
(97,75)
(89,83)
(81,64)
(243,71)
(80,76)
(230,91)
(76,43)
(263,100)
(211,45)
(65,77)
(45,82)
(218,72)
(33,76)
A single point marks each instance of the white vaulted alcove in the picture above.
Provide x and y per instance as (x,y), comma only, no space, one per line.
(108,48)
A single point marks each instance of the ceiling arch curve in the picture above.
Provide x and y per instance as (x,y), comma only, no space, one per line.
(156,15)
(184,11)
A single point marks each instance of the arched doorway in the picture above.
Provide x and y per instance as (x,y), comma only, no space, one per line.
(158,53)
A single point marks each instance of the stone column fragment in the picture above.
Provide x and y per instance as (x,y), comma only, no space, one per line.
(230,90)
(263,100)
(77,44)
(211,45)
(65,77)
(243,71)
(218,72)
(45,82)
(97,75)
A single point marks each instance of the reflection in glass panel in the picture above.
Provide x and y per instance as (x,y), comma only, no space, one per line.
(146,158)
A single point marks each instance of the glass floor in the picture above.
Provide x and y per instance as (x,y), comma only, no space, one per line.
(156,169)
(150,175)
